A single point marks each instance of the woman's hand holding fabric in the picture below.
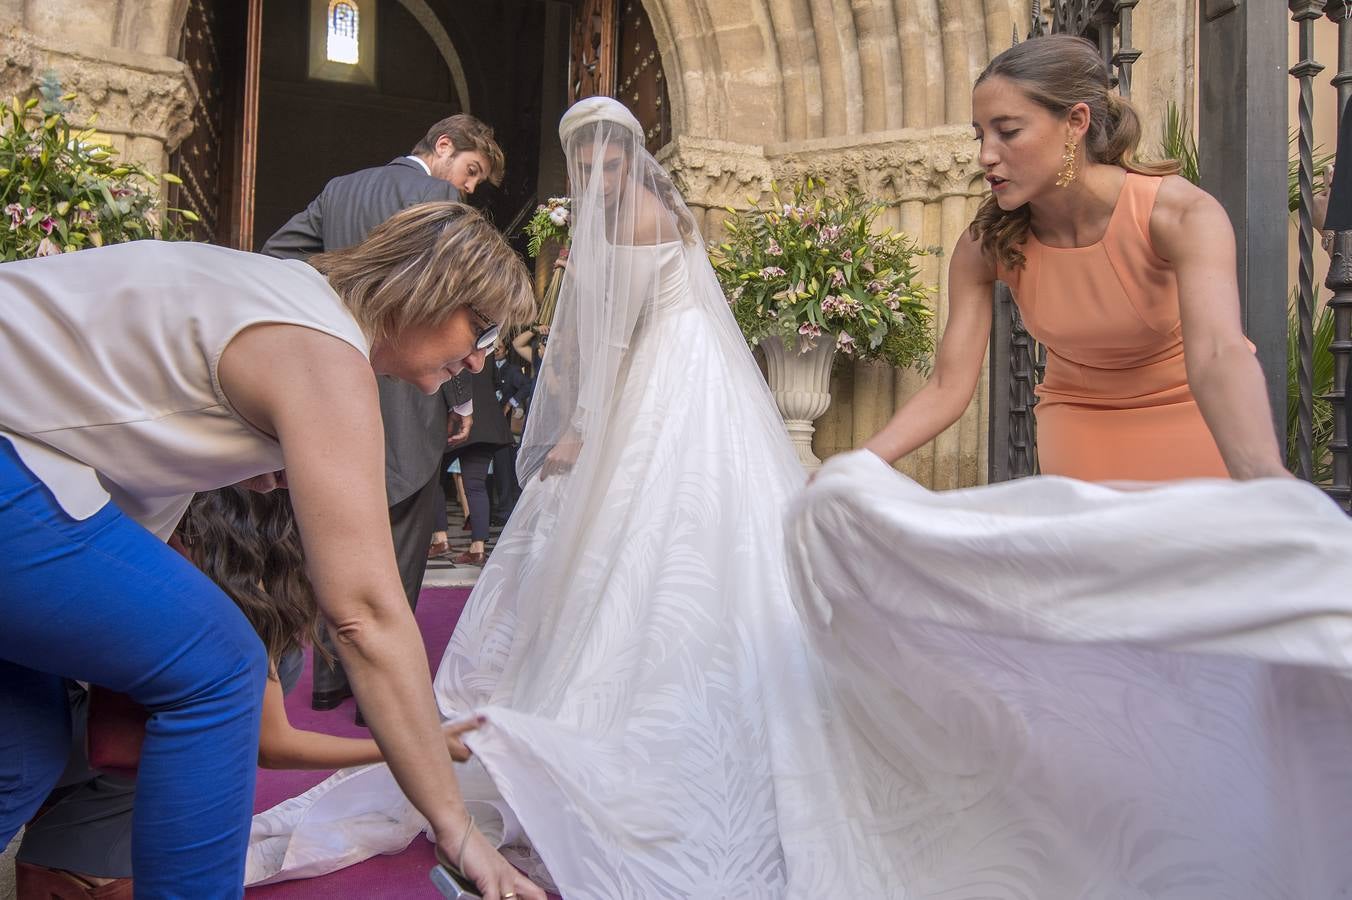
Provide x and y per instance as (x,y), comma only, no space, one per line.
(453,731)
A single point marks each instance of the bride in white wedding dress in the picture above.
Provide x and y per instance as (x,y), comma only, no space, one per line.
(654,722)
(1046,690)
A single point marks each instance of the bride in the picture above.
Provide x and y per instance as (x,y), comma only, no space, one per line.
(655,724)
(1047,689)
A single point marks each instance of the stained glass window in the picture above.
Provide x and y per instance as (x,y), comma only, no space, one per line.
(343,28)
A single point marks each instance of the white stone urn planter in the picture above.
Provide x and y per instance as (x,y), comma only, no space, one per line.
(801,384)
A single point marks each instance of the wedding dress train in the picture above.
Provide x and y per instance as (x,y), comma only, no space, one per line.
(1087,692)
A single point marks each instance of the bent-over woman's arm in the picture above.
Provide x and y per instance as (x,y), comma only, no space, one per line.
(317,394)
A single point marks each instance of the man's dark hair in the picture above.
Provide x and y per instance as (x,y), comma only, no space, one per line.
(466,133)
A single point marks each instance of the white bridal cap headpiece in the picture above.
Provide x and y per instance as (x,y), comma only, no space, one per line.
(597,109)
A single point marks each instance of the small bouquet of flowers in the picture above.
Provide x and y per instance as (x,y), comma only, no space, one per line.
(809,266)
(552,223)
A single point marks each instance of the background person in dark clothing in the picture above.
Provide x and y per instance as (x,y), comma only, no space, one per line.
(489,434)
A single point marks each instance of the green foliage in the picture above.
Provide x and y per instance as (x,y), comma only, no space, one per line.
(810,264)
(1323,384)
(63,189)
(1177,142)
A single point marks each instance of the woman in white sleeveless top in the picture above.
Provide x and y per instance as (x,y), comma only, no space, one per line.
(133,376)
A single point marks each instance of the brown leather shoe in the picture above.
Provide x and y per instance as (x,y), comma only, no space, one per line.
(41,883)
(470,559)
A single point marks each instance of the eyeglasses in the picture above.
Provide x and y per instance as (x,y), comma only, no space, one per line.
(488,332)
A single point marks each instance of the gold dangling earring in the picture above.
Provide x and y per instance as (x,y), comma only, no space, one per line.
(1067,173)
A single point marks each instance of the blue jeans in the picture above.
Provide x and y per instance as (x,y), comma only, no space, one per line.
(102,600)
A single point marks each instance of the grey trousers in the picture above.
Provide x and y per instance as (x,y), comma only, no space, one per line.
(412,521)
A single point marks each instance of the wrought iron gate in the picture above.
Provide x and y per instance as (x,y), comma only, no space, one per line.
(1333,391)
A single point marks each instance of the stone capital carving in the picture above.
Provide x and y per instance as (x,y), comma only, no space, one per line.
(894,166)
(134,94)
(716,174)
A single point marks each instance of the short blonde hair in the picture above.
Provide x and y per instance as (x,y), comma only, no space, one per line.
(422,264)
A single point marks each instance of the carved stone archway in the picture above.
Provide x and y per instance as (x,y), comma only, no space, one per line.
(874,93)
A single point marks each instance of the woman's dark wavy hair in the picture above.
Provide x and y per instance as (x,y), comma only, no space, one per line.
(248,543)
(1057,72)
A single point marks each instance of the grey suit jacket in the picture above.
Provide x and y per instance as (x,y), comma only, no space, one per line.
(341,216)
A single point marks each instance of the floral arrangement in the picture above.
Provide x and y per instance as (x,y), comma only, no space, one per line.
(552,222)
(62,189)
(810,265)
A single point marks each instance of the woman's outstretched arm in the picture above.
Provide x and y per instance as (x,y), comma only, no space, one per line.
(282,746)
(317,395)
(1190,230)
(957,367)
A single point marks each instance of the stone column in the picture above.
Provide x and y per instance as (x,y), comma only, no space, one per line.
(115,58)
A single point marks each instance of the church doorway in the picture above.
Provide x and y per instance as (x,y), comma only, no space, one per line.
(296,92)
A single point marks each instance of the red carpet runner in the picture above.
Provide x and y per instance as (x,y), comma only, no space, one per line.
(404,875)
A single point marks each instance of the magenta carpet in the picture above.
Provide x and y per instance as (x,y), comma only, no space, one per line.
(403,875)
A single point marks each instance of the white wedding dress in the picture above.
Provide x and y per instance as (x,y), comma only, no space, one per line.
(1044,690)
(657,728)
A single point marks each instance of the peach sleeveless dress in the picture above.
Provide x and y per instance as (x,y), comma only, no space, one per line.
(1114,403)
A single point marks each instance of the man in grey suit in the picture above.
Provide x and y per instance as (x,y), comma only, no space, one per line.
(452,159)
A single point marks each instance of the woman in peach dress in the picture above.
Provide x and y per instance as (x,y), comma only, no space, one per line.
(1124,271)
(1078,689)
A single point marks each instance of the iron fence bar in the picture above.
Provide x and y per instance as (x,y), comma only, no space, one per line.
(1011,438)
(1025,374)
(1340,282)
(1039,20)
(1304,13)
(1126,54)
(998,456)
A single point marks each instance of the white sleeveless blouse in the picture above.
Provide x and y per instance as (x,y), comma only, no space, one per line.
(108,357)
